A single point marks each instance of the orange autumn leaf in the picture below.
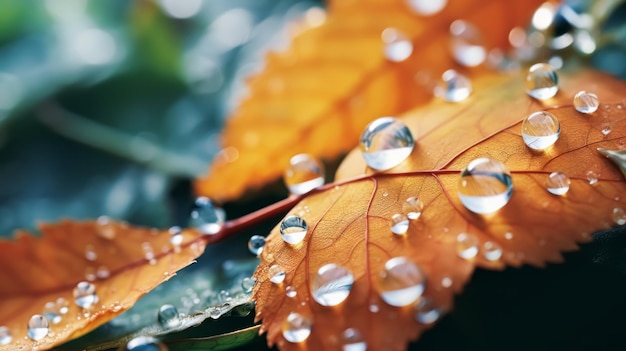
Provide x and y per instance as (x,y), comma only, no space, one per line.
(317,96)
(122,262)
(349,223)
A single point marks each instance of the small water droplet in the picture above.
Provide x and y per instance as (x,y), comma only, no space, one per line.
(542,81)
(427,7)
(256,244)
(397,46)
(558,183)
(168,317)
(385,193)
(332,284)
(90,254)
(492,251)
(148,252)
(467,245)
(63,305)
(446,282)
(38,327)
(52,313)
(454,87)
(223,296)
(176,237)
(102,272)
(105,228)
(540,130)
(413,208)
(619,216)
(592,177)
(276,274)
(247,284)
(426,311)
(352,340)
(296,328)
(485,186)
(399,224)
(293,229)
(466,44)
(85,295)
(304,174)
(206,216)
(606,130)
(401,283)
(145,343)
(374,308)
(5,336)
(385,143)
(215,313)
(508,235)
(586,102)
(290,291)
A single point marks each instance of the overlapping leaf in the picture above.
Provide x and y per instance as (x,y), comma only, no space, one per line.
(349,224)
(122,261)
(317,96)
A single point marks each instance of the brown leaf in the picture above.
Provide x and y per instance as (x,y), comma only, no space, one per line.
(349,224)
(317,96)
(123,262)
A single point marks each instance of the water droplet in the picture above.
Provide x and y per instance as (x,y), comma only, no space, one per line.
(206,216)
(467,246)
(90,254)
(427,7)
(168,317)
(38,327)
(332,284)
(619,216)
(385,143)
(540,130)
(293,229)
(466,44)
(606,130)
(399,224)
(290,291)
(397,46)
(485,186)
(276,274)
(592,177)
(374,308)
(586,102)
(558,183)
(105,228)
(256,244)
(353,340)
(426,311)
(492,251)
(52,313)
(224,296)
(148,252)
(413,208)
(508,235)
(542,81)
(454,87)
(5,336)
(296,328)
(63,305)
(85,295)
(102,272)
(247,284)
(401,283)
(176,237)
(446,282)
(145,343)
(304,174)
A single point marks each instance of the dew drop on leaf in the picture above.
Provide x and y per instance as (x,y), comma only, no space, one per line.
(276,274)
(399,224)
(52,313)
(103,272)
(176,237)
(492,251)
(303,174)
(558,183)
(247,284)
(206,216)
(619,216)
(592,177)
(168,317)
(145,343)
(5,336)
(296,328)
(38,327)
(401,282)
(256,244)
(606,130)
(85,295)
(540,130)
(413,208)
(466,44)
(454,87)
(352,340)
(427,7)
(426,311)
(398,47)
(467,245)
(485,186)
(105,228)
(586,102)
(542,81)
(290,291)
(446,282)
(385,143)
(293,229)
(332,284)
(90,253)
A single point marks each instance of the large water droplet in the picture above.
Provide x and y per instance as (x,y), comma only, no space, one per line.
(5,336)
(38,327)
(52,313)
(427,7)
(276,274)
(586,102)
(145,343)
(399,224)
(168,317)
(385,143)
(304,174)
(542,81)
(85,295)
(619,216)
(206,216)
(397,46)
(332,284)
(426,311)
(454,87)
(467,245)
(540,130)
(296,328)
(485,186)
(401,283)
(413,208)
(466,44)
(492,251)
(290,291)
(256,244)
(293,230)
(353,340)
(247,284)
(558,183)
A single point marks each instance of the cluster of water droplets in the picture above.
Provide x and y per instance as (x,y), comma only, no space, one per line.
(468,246)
